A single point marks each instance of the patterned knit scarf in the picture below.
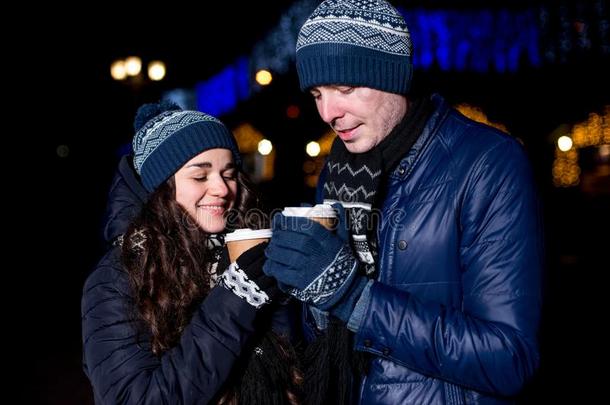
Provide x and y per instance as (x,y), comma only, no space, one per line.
(214,243)
(355,180)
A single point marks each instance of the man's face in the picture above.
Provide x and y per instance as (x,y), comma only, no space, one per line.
(362,117)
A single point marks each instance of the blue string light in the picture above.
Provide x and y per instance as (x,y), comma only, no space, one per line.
(221,93)
(452,40)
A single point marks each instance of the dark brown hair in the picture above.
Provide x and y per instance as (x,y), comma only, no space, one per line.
(164,252)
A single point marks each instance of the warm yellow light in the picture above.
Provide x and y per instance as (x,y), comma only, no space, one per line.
(265,147)
(156,70)
(117,70)
(133,65)
(313,149)
(564,143)
(263,77)
(476,114)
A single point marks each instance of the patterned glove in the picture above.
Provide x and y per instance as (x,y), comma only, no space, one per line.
(245,278)
(310,262)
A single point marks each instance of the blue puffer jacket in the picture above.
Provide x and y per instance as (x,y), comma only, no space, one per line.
(120,365)
(453,315)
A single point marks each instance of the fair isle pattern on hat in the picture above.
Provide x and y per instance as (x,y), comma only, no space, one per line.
(369,24)
(158,129)
(167,137)
(355,43)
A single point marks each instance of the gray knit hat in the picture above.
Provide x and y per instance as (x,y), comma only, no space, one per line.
(355,43)
(167,137)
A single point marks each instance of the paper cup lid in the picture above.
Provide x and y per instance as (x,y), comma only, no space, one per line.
(319,211)
(247,233)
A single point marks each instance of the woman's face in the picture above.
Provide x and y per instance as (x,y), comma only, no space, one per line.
(206,187)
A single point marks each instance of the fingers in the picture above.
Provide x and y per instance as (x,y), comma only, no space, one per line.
(301,225)
(281,222)
(279,271)
(254,269)
(339,208)
(342,227)
(265,283)
(252,255)
(293,240)
(286,256)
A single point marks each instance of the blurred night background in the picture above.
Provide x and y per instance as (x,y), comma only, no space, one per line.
(539,70)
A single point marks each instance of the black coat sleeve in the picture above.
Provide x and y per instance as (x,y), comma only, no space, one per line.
(119,361)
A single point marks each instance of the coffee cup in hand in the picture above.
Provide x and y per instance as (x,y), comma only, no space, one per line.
(324,214)
(243,239)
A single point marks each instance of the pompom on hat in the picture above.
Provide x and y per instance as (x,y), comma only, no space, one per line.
(167,137)
(355,43)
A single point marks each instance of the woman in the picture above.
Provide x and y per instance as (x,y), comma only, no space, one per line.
(161,323)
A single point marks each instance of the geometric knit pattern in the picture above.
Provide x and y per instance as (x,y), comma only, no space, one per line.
(158,129)
(137,241)
(214,244)
(171,137)
(340,167)
(353,181)
(369,24)
(236,280)
(364,177)
(361,246)
(362,232)
(338,275)
(346,193)
(359,43)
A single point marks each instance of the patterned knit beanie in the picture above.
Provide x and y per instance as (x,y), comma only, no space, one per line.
(355,43)
(167,137)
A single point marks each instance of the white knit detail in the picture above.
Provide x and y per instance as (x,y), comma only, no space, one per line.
(236,280)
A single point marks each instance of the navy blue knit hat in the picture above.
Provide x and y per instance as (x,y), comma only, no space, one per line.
(167,137)
(355,43)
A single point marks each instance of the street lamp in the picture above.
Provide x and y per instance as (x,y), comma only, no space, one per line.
(130,70)
(156,70)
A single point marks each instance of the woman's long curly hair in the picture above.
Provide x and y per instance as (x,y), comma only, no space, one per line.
(164,252)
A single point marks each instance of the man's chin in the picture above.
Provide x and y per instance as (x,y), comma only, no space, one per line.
(357,147)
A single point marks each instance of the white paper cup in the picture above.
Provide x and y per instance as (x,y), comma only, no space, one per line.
(324,214)
(243,239)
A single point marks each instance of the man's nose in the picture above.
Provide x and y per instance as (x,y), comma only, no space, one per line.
(329,108)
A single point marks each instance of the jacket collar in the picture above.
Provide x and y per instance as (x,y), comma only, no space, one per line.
(441,109)
(125,199)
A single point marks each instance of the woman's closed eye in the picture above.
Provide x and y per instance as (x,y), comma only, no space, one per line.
(230,174)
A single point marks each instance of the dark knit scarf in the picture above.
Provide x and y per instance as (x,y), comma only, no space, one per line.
(356,180)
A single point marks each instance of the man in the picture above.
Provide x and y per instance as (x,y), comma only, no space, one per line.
(435,268)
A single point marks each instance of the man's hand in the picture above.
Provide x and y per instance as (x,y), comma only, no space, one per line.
(313,264)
